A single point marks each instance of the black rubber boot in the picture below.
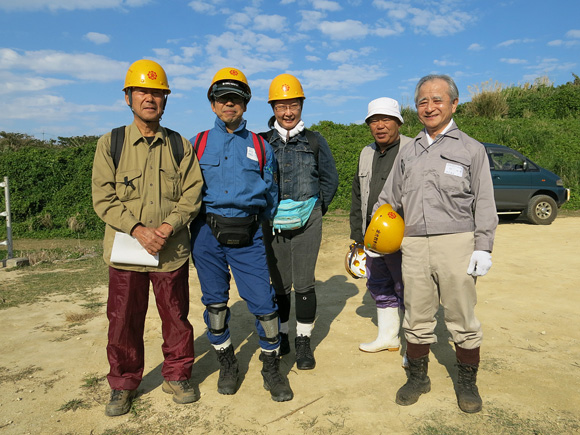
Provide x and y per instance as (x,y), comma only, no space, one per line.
(228,378)
(284,344)
(304,356)
(274,381)
(417,383)
(468,397)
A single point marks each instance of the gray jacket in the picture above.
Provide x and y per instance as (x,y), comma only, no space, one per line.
(443,188)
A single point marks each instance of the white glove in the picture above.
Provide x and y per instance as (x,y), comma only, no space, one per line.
(479,264)
(372,254)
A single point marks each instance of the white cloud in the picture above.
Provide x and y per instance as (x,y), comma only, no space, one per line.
(348,29)
(344,77)
(97,38)
(439,24)
(310,20)
(270,22)
(345,56)
(384,30)
(312,58)
(475,47)
(512,61)
(68,5)
(514,41)
(12,83)
(326,5)
(287,2)
(444,63)
(207,7)
(573,33)
(85,66)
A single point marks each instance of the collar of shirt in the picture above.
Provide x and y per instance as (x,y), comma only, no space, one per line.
(445,130)
(220,125)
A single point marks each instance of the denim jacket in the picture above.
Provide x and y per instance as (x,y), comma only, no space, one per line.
(299,175)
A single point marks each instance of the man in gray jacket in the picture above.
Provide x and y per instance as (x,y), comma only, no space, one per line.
(384,281)
(441,185)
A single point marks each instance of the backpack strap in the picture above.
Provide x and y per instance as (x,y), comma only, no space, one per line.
(176,145)
(200,143)
(260,150)
(117,140)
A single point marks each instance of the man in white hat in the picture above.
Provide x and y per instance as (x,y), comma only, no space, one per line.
(384,282)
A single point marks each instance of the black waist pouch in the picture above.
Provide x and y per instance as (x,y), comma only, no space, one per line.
(233,231)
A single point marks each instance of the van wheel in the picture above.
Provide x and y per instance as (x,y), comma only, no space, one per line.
(542,210)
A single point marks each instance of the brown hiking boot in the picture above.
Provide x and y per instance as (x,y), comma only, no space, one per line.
(120,402)
(183,391)
(468,397)
(417,383)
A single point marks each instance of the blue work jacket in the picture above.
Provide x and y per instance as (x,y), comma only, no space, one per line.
(233,184)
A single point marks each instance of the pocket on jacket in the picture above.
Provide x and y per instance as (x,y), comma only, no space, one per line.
(170,185)
(128,184)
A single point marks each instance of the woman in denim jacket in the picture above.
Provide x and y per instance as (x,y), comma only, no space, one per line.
(307,180)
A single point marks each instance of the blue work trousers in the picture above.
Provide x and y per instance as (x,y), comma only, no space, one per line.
(248,265)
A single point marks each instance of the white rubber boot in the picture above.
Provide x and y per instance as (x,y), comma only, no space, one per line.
(388,337)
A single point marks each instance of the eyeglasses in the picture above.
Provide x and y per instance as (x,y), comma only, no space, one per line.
(282,108)
(233,98)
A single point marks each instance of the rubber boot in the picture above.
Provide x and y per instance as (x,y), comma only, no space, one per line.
(274,381)
(388,337)
(228,377)
(417,383)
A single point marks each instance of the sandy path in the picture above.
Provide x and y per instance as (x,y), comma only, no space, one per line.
(529,380)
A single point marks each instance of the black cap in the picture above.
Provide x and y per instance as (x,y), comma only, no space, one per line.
(225,87)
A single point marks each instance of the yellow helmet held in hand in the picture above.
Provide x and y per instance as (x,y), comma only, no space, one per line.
(229,80)
(385,231)
(146,73)
(355,261)
(285,87)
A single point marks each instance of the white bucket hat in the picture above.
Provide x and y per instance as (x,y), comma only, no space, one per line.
(384,106)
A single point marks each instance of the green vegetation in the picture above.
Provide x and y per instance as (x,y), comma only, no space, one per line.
(50,182)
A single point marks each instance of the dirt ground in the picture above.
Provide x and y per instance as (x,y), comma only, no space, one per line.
(529,378)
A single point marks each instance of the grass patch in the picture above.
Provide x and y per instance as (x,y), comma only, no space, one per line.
(92,381)
(7,376)
(79,318)
(73,405)
(48,279)
(500,422)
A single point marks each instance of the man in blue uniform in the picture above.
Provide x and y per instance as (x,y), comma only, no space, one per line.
(240,191)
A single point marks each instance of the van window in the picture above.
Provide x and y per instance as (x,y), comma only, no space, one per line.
(507,161)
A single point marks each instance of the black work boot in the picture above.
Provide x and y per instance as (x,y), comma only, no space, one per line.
(228,378)
(417,383)
(274,381)
(304,356)
(468,397)
(284,344)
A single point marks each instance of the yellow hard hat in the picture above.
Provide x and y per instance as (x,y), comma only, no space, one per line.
(145,73)
(285,87)
(385,231)
(355,261)
(229,81)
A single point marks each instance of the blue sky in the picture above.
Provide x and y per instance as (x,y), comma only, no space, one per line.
(63,62)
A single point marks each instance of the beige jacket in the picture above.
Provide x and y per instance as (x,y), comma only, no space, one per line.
(147,188)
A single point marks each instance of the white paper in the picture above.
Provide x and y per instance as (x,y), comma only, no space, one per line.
(128,250)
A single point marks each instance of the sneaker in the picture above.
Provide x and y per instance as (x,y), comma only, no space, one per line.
(183,391)
(228,377)
(120,402)
(274,381)
(304,356)
(284,344)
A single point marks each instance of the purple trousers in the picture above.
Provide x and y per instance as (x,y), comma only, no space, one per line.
(385,281)
(126,311)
